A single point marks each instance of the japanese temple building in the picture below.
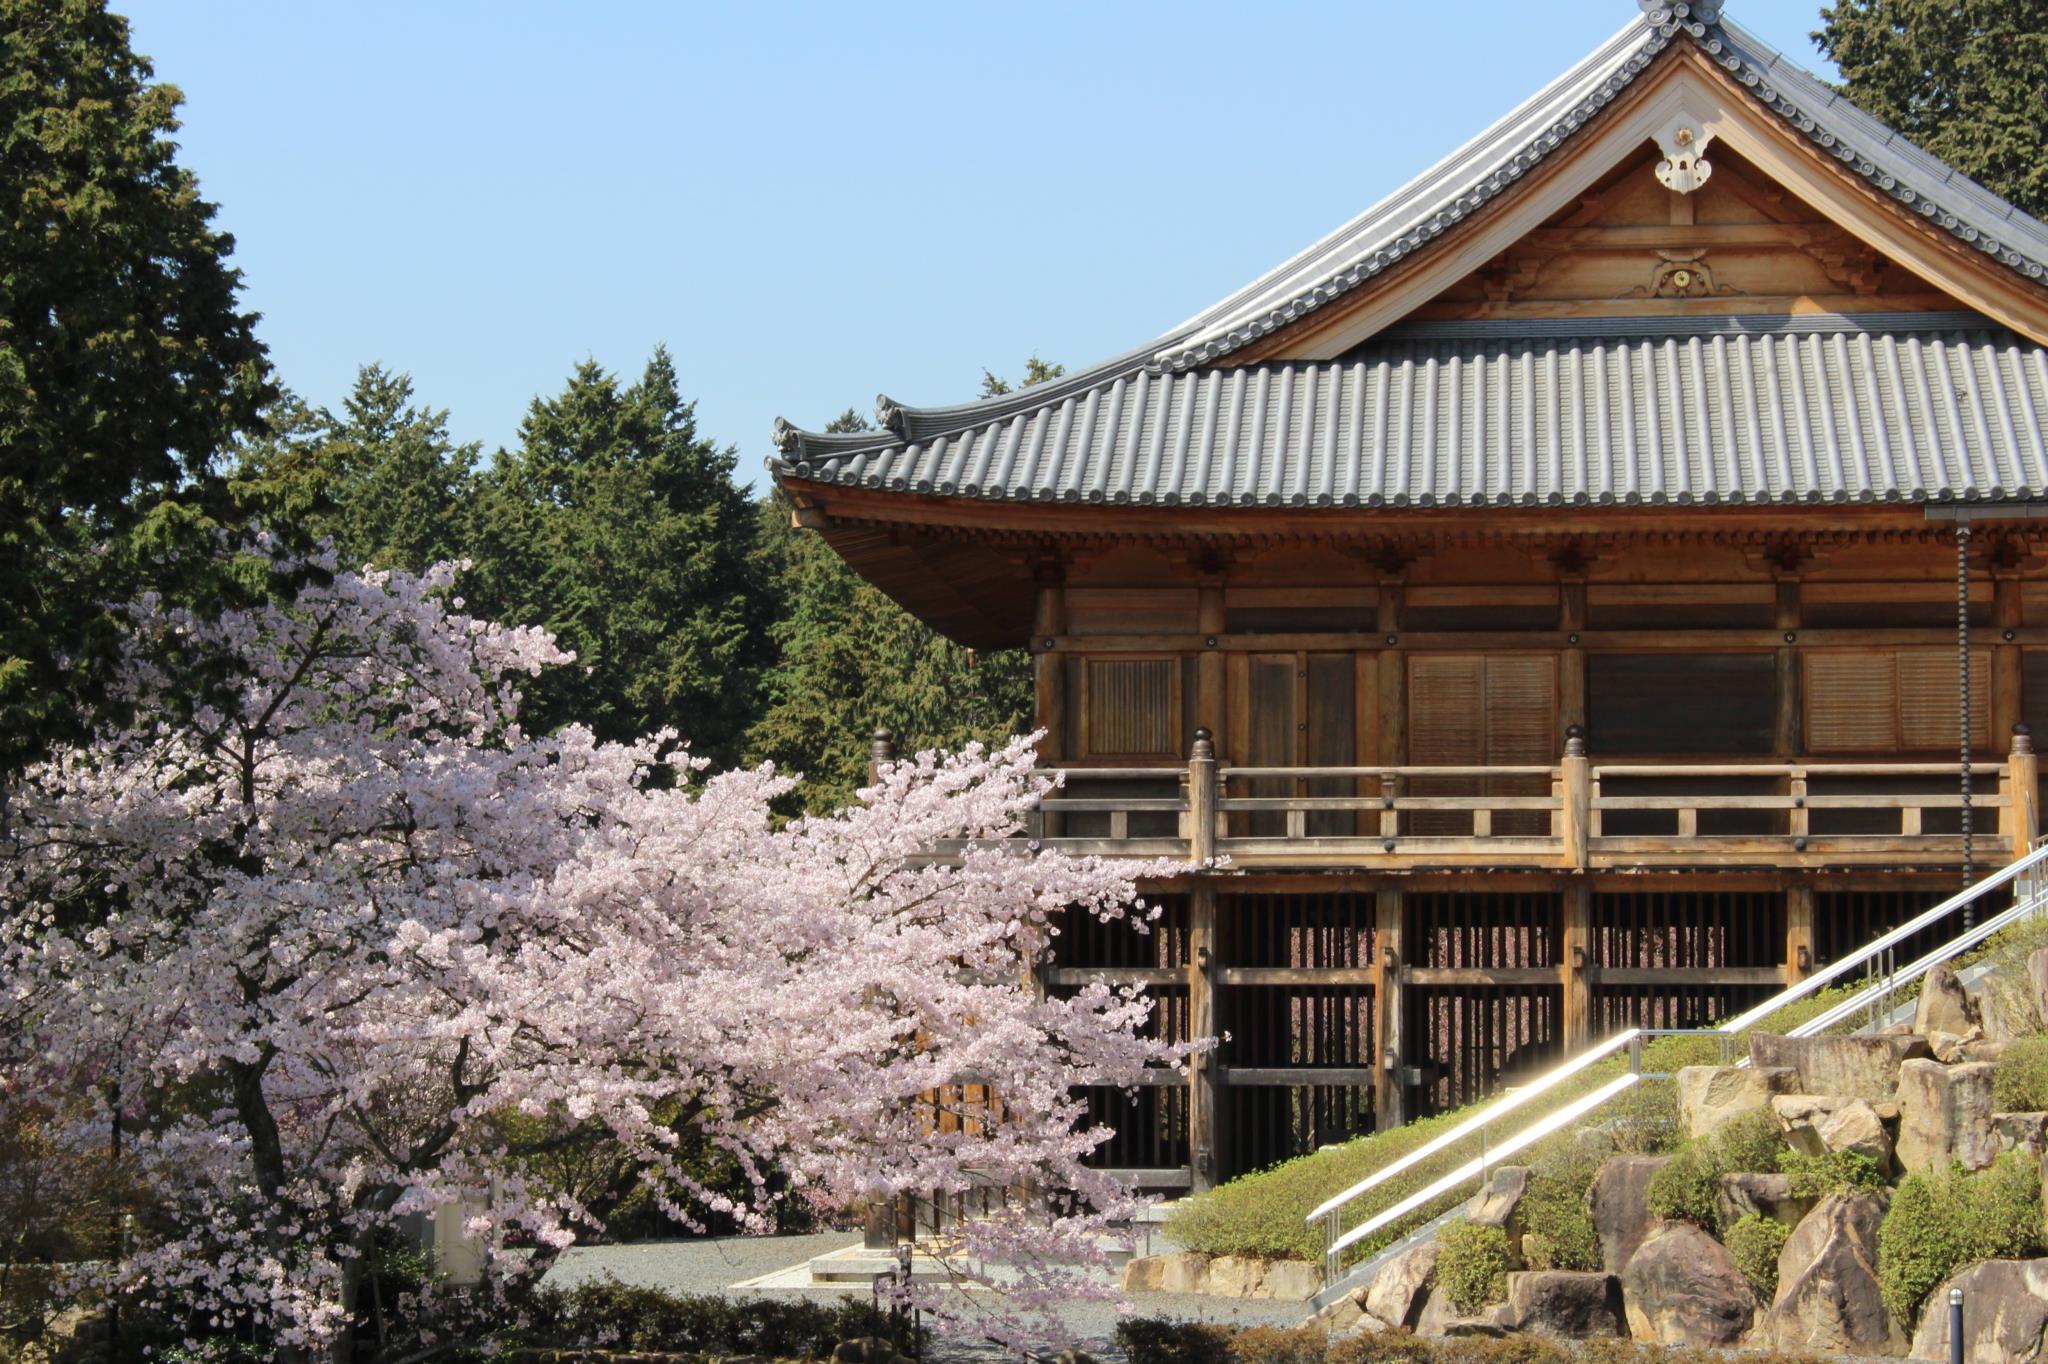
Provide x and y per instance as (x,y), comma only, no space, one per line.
(1563,595)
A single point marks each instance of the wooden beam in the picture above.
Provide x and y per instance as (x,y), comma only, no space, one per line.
(1575,967)
(1202,1068)
(1799,941)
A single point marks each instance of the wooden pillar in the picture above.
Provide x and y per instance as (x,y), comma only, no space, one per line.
(1574,967)
(1798,932)
(2006,617)
(1787,738)
(1209,689)
(1390,964)
(1571,679)
(1393,669)
(883,1221)
(1048,669)
(1202,1145)
(2023,790)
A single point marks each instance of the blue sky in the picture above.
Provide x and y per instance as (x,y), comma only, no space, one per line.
(807,203)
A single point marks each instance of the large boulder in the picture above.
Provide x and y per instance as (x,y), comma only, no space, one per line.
(1290,1280)
(1565,1306)
(1681,1288)
(1828,1299)
(1235,1276)
(2021,1132)
(1348,1314)
(2005,1314)
(1710,1095)
(1817,1124)
(1440,1318)
(1499,1203)
(1182,1272)
(1620,1203)
(1863,1066)
(2037,978)
(1741,1195)
(1401,1287)
(1944,1005)
(1945,1115)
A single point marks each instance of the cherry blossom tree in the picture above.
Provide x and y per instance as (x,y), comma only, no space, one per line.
(349,944)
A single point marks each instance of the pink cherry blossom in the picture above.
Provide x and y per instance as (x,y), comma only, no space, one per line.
(326,921)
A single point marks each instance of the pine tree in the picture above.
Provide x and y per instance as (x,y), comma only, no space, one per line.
(851,661)
(126,361)
(382,479)
(615,525)
(1965,79)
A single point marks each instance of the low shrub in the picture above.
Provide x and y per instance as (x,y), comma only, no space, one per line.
(1472,1265)
(627,1317)
(1279,1345)
(1397,1346)
(2020,1084)
(1754,1243)
(1751,1143)
(1158,1340)
(1831,1173)
(1556,1220)
(1939,1222)
(1683,1189)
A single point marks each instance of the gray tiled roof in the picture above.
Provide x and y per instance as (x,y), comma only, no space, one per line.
(1095,401)
(1896,407)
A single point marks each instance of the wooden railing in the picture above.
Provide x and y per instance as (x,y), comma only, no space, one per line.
(1576,815)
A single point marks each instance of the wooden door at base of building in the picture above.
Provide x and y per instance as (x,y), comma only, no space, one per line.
(1481,710)
(1295,710)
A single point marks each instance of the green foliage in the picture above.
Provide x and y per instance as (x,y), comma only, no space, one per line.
(1940,1222)
(1397,1346)
(126,362)
(1831,1173)
(1472,1265)
(850,661)
(620,529)
(1036,371)
(632,1318)
(1157,1340)
(1750,1143)
(2020,1084)
(1683,1189)
(1962,78)
(1557,1221)
(1753,1243)
(1279,1345)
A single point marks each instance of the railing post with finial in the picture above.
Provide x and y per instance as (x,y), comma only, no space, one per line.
(1576,779)
(881,752)
(2023,791)
(1202,798)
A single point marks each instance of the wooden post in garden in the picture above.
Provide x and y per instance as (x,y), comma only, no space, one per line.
(1389,1102)
(1202,1162)
(1576,783)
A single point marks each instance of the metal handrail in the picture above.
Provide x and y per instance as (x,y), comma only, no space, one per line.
(1326,1212)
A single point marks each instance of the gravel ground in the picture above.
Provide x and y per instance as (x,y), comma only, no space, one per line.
(713,1265)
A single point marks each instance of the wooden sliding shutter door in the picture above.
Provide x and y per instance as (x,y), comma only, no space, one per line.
(1299,710)
(1889,701)
(1131,709)
(1481,710)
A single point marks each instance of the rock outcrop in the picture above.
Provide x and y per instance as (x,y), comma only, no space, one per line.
(1565,1306)
(1709,1096)
(1620,1204)
(1440,1319)
(2005,1314)
(1945,1115)
(1681,1288)
(1856,1067)
(1828,1299)
(1499,1203)
(1818,1124)
(1401,1288)
(1740,1195)
(1944,1005)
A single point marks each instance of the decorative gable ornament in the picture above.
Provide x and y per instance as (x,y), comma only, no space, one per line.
(1685,166)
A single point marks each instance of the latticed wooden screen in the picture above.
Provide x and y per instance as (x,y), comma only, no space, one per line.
(1893,700)
(1468,710)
